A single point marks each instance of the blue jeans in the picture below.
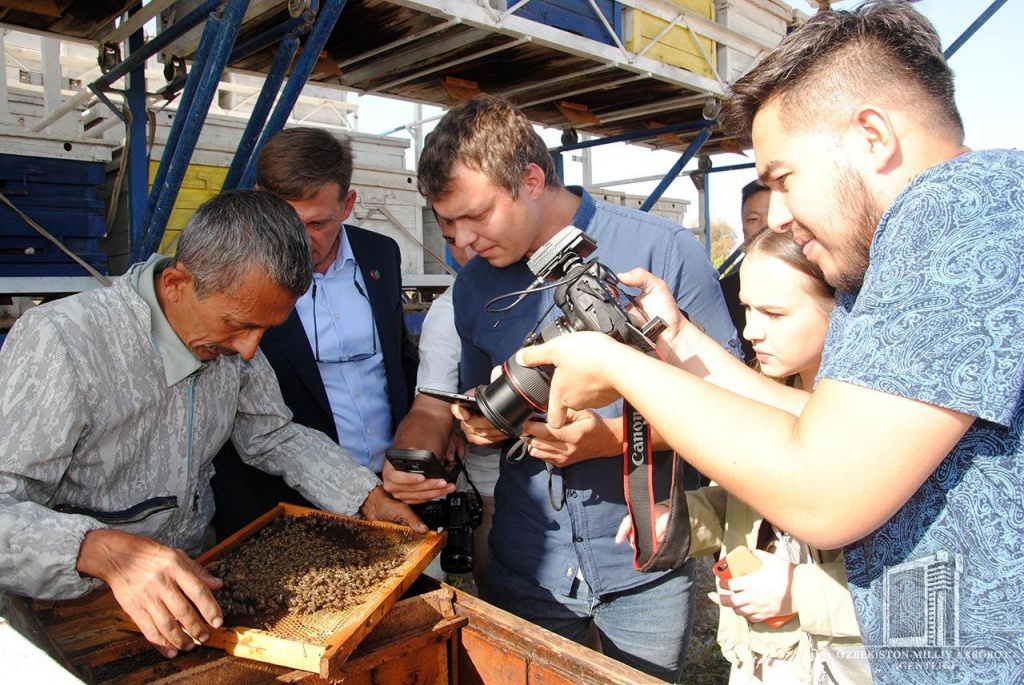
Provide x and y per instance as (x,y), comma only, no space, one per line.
(647,627)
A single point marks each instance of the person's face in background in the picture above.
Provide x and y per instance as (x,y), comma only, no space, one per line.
(755,213)
(323,214)
(787,317)
(461,255)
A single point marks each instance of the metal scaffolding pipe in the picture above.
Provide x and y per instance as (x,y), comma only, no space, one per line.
(269,37)
(162,40)
(206,41)
(634,135)
(330,10)
(691,150)
(261,110)
(162,197)
(973,28)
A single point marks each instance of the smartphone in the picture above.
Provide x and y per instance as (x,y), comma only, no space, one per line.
(417,461)
(741,562)
(467,401)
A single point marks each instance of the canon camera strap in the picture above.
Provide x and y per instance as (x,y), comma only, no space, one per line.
(638,482)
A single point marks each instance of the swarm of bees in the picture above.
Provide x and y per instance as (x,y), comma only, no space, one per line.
(304,565)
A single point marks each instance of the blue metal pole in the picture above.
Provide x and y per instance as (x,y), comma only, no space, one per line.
(229,24)
(138,173)
(707,213)
(258,116)
(250,48)
(209,36)
(165,38)
(973,28)
(687,155)
(559,166)
(731,167)
(636,135)
(330,10)
(268,38)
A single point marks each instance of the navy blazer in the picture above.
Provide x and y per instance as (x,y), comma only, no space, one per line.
(241,492)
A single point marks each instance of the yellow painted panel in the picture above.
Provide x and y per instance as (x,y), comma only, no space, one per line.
(200,184)
(676,47)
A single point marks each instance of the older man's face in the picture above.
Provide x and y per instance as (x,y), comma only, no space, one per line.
(817,194)
(233,322)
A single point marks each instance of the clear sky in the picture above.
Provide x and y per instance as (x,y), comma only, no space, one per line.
(989,72)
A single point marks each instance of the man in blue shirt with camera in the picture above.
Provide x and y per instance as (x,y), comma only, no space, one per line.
(492,184)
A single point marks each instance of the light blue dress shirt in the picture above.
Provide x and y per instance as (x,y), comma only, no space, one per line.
(351,364)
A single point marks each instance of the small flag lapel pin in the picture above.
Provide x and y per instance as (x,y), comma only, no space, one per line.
(375,274)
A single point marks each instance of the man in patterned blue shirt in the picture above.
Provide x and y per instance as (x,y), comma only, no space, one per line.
(909,453)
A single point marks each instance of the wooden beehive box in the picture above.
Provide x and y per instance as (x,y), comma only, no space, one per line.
(319,641)
(677,46)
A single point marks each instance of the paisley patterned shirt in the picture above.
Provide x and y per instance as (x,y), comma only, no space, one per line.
(939,588)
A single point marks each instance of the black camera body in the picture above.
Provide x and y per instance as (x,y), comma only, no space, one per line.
(459,514)
(588,295)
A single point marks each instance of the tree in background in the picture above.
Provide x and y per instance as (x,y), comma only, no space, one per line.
(724,239)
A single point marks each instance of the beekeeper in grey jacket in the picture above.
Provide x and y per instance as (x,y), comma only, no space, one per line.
(115,401)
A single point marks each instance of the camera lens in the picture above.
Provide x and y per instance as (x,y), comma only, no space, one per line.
(457,556)
(514,396)
(520,391)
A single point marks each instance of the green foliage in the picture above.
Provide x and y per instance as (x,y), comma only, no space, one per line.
(724,239)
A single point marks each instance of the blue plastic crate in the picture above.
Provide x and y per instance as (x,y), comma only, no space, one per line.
(61,196)
(576,16)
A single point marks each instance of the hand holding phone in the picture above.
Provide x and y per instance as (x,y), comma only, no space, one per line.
(742,562)
(467,401)
(418,461)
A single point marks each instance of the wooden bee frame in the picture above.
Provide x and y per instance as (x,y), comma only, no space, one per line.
(325,658)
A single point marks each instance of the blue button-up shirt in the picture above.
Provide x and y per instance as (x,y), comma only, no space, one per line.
(528,535)
(350,361)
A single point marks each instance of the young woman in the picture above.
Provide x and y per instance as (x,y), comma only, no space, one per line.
(787,306)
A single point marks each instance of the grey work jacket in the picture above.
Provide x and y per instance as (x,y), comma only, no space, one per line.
(94,433)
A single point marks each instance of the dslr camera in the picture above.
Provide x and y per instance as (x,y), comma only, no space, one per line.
(459,513)
(590,298)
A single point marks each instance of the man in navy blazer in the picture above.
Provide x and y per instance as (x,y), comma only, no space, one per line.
(343,358)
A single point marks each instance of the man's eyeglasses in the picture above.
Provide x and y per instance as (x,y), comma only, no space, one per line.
(362,356)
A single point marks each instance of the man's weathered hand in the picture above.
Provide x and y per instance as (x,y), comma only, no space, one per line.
(380,506)
(166,593)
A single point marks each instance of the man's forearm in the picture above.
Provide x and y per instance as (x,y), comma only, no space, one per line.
(427,426)
(829,477)
(696,353)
